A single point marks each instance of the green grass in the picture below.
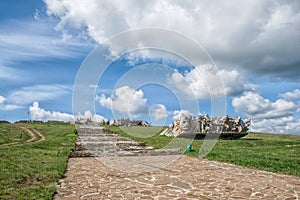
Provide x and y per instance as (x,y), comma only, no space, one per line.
(31,171)
(270,152)
(155,140)
(9,133)
(140,131)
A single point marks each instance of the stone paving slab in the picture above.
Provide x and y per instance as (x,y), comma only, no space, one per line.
(101,142)
(186,178)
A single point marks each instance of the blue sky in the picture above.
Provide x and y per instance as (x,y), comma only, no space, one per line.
(245,60)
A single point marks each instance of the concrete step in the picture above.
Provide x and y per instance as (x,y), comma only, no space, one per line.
(141,152)
(135,148)
(80,132)
(98,142)
(119,153)
(80,154)
(99,139)
(99,135)
(111,145)
(130,142)
(94,131)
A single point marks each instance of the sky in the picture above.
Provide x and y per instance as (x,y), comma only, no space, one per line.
(152,60)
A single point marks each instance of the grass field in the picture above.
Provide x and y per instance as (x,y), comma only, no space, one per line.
(270,152)
(155,140)
(31,170)
(140,131)
(9,133)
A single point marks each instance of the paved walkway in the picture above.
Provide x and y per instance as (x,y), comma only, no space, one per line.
(170,177)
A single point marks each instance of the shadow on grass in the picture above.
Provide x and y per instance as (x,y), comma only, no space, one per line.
(250,139)
(214,137)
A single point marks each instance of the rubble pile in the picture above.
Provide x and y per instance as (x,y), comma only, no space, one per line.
(127,122)
(225,127)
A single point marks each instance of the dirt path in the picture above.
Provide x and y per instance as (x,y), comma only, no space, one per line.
(42,137)
(121,177)
(31,135)
(8,144)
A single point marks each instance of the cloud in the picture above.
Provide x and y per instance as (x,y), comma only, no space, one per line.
(253,105)
(158,112)
(267,116)
(205,82)
(7,73)
(126,100)
(26,95)
(283,125)
(4,105)
(29,94)
(261,37)
(10,107)
(291,96)
(2,99)
(178,113)
(88,115)
(31,40)
(37,113)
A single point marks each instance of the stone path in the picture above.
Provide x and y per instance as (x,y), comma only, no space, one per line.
(170,176)
(100,142)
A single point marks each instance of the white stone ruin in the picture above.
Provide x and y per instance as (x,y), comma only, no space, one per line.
(226,127)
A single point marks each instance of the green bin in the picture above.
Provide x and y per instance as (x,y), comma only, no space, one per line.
(189,147)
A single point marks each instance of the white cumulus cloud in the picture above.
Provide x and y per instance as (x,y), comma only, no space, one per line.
(38,113)
(253,105)
(278,125)
(268,116)
(206,82)
(259,36)
(178,113)
(158,112)
(88,115)
(292,96)
(125,100)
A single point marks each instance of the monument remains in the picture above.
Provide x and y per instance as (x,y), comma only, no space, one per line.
(128,122)
(224,127)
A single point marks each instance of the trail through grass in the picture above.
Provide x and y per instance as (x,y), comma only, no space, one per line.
(31,171)
(10,133)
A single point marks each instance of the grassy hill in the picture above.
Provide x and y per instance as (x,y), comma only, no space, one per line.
(270,152)
(12,134)
(31,170)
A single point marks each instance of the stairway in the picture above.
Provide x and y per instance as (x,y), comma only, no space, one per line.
(101,142)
